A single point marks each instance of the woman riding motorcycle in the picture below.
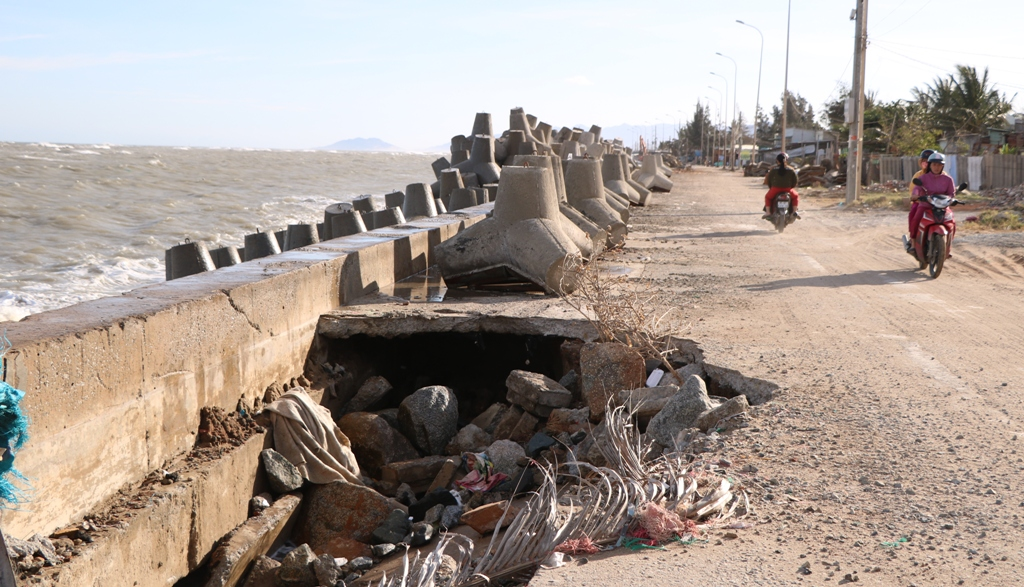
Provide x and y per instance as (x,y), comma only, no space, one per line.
(935,182)
(781,179)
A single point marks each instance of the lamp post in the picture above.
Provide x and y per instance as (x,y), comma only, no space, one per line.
(785,86)
(732,126)
(724,104)
(757,103)
(718,115)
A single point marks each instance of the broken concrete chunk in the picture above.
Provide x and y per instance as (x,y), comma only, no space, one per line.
(374,442)
(505,454)
(263,573)
(684,373)
(484,519)
(433,515)
(370,392)
(326,570)
(445,476)
(245,542)
(282,475)
(405,495)
(383,550)
(681,411)
(342,510)
(503,430)
(418,473)
(568,420)
(429,418)
(606,369)
(296,569)
(536,393)
(729,408)
(470,439)
(525,428)
(647,401)
(489,418)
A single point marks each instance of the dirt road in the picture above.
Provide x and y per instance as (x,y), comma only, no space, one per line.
(891,455)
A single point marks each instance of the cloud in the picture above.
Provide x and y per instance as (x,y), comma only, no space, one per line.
(85,60)
(578,80)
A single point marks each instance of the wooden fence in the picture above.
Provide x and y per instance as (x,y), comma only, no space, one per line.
(980,173)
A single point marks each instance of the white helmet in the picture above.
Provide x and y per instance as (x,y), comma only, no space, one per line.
(936,157)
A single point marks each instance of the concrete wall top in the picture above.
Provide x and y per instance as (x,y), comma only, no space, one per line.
(114,386)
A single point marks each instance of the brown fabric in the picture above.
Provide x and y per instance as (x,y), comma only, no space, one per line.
(307,436)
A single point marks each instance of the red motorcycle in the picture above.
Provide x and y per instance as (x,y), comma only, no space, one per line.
(935,232)
(780,214)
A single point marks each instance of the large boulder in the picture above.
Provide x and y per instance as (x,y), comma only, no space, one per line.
(681,412)
(429,418)
(606,369)
(342,510)
(374,442)
(536,393)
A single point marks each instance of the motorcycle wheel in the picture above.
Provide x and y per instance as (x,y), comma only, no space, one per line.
(780,222)
(936,255)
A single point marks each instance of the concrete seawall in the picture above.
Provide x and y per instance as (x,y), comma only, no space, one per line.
(114,386)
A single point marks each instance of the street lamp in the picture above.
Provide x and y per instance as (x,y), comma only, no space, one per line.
(718,115)
(732,127)
(757,103)
(785,87)
(726,103)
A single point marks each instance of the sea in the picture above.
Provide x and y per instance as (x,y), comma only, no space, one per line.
(80,222)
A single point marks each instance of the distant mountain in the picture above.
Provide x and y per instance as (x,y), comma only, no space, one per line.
(361,145)
(630,133)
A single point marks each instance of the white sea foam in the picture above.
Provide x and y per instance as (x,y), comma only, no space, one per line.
(97,225)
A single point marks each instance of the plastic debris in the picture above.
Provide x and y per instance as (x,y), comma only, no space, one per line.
(13,434)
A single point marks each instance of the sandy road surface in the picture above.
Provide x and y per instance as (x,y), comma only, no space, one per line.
(901,404)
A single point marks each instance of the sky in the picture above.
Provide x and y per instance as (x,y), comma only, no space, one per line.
(308,73)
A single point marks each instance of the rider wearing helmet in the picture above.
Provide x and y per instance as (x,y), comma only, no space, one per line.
(935,182)
(781,179)
(914,205)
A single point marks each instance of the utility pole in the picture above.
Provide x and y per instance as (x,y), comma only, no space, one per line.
(853,160)
(785,85)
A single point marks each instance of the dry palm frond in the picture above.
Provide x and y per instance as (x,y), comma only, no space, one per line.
(621,310)
(421,572)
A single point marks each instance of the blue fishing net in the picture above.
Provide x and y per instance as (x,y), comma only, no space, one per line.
(13,433)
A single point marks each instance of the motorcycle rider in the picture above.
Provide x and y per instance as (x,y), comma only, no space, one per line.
(935,182)
(781,179)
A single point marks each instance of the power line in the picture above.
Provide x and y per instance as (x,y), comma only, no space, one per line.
(891,12)
(948,50)
(908,19)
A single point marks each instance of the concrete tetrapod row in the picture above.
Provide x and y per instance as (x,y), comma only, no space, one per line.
(523,240)
(653,174)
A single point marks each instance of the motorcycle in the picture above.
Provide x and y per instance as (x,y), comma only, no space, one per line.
(935,232)
(780,214)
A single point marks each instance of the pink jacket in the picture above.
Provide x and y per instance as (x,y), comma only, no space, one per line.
(936,184)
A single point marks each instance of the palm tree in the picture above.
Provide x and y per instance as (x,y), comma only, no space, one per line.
(964,103)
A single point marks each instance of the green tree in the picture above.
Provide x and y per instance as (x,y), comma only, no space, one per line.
(963,103)
(700,125)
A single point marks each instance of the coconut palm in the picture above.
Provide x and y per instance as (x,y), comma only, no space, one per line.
(964,103)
